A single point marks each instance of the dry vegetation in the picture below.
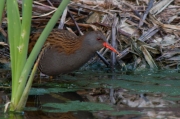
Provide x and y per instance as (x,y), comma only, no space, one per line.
(145,32)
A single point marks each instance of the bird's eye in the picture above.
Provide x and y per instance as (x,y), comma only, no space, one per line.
(99,39)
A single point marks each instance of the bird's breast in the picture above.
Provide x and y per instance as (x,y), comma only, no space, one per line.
(55,63)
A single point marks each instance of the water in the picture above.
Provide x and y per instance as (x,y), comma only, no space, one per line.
(98,95)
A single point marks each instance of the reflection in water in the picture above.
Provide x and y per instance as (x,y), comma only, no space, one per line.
(139,95)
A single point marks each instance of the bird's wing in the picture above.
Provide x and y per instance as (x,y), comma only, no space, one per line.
(62,40)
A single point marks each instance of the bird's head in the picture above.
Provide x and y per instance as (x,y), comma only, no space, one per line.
(96,40)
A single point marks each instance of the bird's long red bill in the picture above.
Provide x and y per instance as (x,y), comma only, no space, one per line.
(110,47)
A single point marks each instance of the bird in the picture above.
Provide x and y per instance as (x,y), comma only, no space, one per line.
(66,51)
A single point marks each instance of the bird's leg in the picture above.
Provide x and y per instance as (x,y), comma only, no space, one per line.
(40,54)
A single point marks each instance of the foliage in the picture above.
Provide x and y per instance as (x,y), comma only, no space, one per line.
(18,34)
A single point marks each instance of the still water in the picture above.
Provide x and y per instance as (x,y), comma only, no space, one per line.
(98,95)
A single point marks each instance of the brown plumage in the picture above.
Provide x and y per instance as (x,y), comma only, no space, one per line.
(68,52)
(67,41)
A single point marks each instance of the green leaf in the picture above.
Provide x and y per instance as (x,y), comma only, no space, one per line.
(76,106)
